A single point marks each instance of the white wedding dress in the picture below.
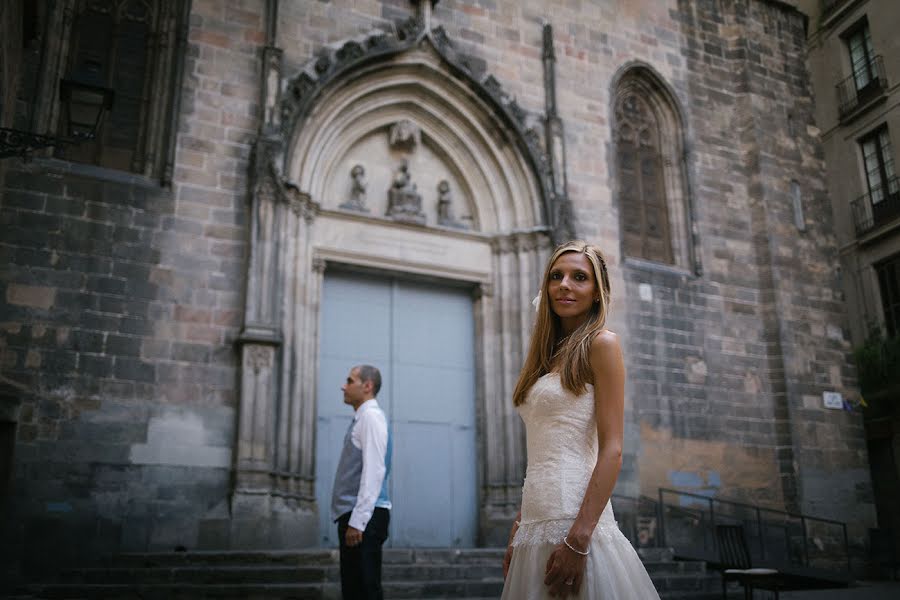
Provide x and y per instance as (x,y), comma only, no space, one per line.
(562,451)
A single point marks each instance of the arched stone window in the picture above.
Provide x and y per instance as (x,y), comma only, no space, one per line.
(649,171)
(134,47)
(114,39)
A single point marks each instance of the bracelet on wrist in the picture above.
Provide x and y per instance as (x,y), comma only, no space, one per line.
(575,550)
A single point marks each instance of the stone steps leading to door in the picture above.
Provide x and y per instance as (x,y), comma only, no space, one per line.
(314,575)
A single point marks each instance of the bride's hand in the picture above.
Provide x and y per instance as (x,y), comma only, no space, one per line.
(506,560)
(565,571)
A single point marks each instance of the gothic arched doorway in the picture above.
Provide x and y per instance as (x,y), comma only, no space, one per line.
(393,163)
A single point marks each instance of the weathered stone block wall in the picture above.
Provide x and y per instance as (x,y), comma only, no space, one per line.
(728,368)
(120,304)
(800,320)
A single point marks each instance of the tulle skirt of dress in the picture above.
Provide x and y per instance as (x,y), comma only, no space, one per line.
(614,571)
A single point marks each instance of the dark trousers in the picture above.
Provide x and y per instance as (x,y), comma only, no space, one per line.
(361,565)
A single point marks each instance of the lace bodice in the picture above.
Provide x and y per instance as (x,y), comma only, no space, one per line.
(561,437)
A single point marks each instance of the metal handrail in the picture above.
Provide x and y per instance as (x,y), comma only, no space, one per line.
(760,528)
(636,501)
(745,505)
(868,215)
(851,96)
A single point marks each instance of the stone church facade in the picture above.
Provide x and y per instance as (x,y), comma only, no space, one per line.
(274,174)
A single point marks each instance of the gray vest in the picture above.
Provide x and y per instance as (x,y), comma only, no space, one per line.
(349,472)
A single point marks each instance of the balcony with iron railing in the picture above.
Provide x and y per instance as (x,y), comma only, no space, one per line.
(876,207)
(854,96)
(829,7)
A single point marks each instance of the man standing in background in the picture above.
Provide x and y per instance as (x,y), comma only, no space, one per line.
(359,501)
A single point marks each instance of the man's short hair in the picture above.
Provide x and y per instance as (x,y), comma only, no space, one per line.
(370,373)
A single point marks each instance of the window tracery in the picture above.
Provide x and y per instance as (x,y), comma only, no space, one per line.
(651,184)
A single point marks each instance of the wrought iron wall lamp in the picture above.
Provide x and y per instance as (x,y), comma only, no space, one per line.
(84,100)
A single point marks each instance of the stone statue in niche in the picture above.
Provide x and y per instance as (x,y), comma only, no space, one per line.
(444,209)
(404,200)
(357,200)
(404,135)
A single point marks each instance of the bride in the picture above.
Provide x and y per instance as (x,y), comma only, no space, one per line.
(570,395)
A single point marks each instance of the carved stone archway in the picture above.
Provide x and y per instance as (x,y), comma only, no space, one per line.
(311,207)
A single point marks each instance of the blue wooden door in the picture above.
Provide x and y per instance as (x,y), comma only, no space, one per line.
(421,337)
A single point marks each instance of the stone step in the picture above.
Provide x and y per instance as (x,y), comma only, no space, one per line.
(444,589)
(231,586)
(226,557)
(274,574)
(304,557)
(488,591)
(180,591)
(199,575)
(331,557)
(489,588)
(434,555)
(311,574)
(314,574)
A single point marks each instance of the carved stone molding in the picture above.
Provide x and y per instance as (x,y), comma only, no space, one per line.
(555,143)
(502,244)
(302,91)
(258,358)
(404,135)
(521,241)
(300,202)
(269,185)
(526,242)
(483,290)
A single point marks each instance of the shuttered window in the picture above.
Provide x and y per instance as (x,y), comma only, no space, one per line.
(889,284)
(878,158)
(859,43)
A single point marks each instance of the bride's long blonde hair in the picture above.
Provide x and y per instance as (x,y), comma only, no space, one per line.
(574,354)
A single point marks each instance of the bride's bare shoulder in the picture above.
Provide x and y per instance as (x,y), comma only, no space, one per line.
(605,341)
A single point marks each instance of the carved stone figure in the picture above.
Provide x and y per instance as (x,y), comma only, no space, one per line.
(404,200)
(357,200)
(444,210)
(404,135)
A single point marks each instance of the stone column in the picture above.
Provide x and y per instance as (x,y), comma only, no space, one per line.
(506,317)
(295,460)
(273,503)
(260,344)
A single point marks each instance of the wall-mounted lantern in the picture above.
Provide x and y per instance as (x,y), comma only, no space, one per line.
(84,100)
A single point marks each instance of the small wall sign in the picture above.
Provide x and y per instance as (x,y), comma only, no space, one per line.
(833,400)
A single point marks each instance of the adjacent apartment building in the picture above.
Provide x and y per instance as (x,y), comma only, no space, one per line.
(854,56)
